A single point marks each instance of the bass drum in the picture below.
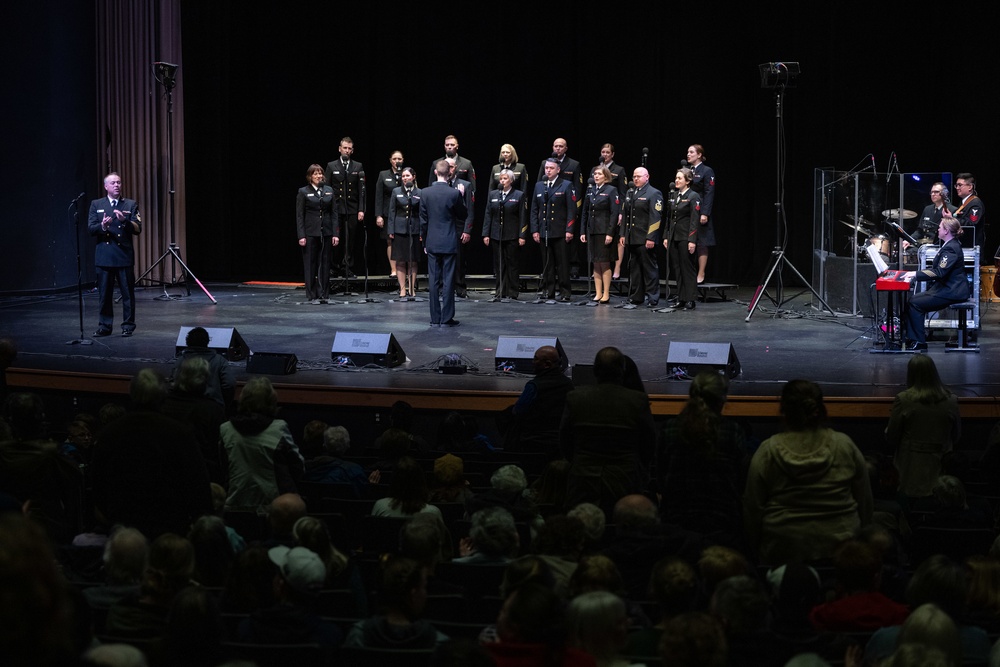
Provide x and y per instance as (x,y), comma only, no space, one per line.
(987,276)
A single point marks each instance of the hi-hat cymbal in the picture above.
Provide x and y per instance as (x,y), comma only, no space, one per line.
(860,229)
(897,213)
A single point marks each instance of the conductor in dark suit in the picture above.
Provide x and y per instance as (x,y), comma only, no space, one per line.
(113,221)
(442,220)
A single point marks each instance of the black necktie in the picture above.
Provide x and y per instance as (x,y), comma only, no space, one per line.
(114,203)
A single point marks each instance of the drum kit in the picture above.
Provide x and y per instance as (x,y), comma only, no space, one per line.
(882,242)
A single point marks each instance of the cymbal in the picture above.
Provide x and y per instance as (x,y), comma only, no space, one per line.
(897,213)
(860,229)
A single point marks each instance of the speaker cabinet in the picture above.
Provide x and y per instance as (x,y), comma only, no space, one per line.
(839,285)
(366,349)
(224,340)
(692,358)
(514,354)
(272,363)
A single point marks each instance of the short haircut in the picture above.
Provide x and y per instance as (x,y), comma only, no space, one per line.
(967,177)
(741,604)
(258,397)
(148,389)
(125,556)
(313,168)
(509,478)
(442,168)
(192,376)
(609,365)
(336,440)
(674,585)
(593,519)
(857,565)
(493,532)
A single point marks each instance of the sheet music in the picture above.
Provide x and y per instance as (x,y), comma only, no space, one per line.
(876,258)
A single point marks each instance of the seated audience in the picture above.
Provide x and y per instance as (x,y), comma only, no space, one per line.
(694,639)
(594,522)
(450,485)
(282,514)
(402,596)
(492,540)
(330,466)
(535,417)
(507,487)
(408,492)
(597,624)
(292,619)
(124,563)
(213,552)
(221,383)
(194,632)
(674,585)
(984,592)
(860,606)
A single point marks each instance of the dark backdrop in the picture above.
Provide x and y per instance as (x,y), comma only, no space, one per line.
(270,88)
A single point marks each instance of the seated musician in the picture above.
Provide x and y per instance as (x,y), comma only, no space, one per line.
(950,284)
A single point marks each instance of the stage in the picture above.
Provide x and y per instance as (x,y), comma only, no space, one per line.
(802,342)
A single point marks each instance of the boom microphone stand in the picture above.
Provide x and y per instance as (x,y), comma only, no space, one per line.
(165,74)
(777,76)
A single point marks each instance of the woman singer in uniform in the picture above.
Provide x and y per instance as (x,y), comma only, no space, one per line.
(404,231)
(682,242)
(505,226)
(704,185)
(601,209)
(315,222)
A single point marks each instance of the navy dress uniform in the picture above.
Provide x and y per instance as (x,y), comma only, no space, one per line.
(642,215)
(505,223)
(553,217)
(114,259)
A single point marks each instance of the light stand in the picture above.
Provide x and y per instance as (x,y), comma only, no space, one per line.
(778,76)
(75,207)
(165,74)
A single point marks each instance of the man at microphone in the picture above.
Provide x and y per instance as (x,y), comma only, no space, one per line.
(113,221)
(569,170)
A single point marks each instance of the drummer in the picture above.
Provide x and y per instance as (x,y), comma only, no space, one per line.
(927,226)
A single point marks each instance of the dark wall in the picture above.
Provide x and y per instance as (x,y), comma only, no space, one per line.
(48,143)
(270,90)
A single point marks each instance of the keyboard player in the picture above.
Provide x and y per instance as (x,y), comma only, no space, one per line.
(950,285)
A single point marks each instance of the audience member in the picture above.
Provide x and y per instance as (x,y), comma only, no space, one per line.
(560,545)
(292,619)
(535,417)
(33,471)
(674,585)
(549,489)
(125,555)
(282,514)
(251,582)
(213,552)
(401,421)
(597,624)
(148,472)
(701,464)
(694,639)
(507,486)
(923,426)
(169,569)
(860,605)
(187,403)
(531,630)
(459,433)
(220,384)
(795,590)
(492,540)
(741,606)
(194,631)
(984,593)
(450,485)
(259,452)
(425,539)
(403,595)
(408,492)
(641,540)
(331,468)
(608,436)
(77,447)
(808,488)
(931,628)
(594,523)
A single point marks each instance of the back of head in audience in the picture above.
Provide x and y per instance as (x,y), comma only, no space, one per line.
(493,532)
(635,512)
(609,366)
(596,573)
(802,405)
(169,569)
(125,555)
(213,552)
(312,438)
(148,390)
(560,536)
(509,480)
(858,567)
(336,441)
(425,539)
(258,397)
(694,639)
(593,519)
(526,569)
(408,487)
(741,606)
(285,510)
(532,614)
(931,627)
(940,581)
(194,631)
(192,375)
(301,574)
(718,563)
(596,622)
(25,415)
(403,587)
(674,585)
(313,534)
(950,493)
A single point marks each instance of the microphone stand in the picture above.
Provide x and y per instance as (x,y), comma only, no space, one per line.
(590,303)
(626,304)
(545,255)
(75,207)
(501,282)
(364,250)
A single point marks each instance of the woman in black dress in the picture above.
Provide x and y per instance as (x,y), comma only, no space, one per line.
(404,231)
(599,228)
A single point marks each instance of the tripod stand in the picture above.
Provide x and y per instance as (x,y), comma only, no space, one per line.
(778,76)
(165,74)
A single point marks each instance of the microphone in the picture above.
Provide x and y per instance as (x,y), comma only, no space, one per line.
(872,156)
(645,154)
(79,197)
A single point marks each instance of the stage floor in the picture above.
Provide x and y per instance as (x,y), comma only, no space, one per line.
(801,343)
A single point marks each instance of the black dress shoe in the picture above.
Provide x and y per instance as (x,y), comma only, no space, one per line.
(652,304)
(100,333)
(127,333)
(689,305)
(564,298)
(914,346)
(673,301)
(434,324)
(451,323)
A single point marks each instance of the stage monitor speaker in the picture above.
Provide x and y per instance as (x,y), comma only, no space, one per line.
(367,349)
(514,354)
(272,363)
(692,358)
(224,340)
(839,285)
